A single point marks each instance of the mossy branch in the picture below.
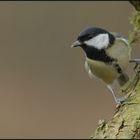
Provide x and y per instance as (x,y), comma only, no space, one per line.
(126,120)
(136,4)
(125,124)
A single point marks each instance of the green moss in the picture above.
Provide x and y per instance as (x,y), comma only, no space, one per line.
(102,124)
(132,38)
(137,124)
(135,34)
(101,128)
(135,20)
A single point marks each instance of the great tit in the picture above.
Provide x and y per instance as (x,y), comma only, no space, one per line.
(107,56)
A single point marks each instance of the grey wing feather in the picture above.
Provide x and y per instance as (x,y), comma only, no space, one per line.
(122,38)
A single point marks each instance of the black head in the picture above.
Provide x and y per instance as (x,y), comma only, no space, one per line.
(92,32)
(94,41)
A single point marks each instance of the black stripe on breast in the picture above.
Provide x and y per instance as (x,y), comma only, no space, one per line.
(117,67)
(97,54)
(100,55)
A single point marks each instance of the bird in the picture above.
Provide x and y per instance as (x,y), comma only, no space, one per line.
(107,56)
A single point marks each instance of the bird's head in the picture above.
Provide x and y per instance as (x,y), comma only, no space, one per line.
(94,37)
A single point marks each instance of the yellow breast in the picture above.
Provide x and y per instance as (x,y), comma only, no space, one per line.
(103,71)
(107,72)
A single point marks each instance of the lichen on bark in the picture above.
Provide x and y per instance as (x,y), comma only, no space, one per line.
(126,120)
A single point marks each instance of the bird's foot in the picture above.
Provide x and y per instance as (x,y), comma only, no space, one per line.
(120,100)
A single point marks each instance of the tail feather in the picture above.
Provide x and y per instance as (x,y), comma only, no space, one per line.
(122,79)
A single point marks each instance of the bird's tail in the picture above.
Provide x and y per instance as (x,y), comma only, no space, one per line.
(122,79)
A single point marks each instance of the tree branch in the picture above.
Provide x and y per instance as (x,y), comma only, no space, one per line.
(126,120)
(136,4)
(125,124)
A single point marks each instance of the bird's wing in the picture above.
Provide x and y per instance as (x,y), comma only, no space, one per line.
(89,71)
(121,38)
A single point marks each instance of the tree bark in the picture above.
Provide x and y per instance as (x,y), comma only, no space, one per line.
(125,124)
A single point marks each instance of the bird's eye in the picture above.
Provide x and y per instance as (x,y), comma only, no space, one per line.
(85,37)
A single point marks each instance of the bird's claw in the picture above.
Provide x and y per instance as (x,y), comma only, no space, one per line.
(120,100)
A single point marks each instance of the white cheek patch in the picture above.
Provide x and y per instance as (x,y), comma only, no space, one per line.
(100,41)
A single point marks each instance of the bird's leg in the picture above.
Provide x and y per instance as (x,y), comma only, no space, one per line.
(118,100)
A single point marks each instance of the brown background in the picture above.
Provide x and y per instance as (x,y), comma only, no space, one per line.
(45,91)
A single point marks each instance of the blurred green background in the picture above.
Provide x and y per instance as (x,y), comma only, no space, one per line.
(45,91)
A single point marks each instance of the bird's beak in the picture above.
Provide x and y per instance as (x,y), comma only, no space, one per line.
(76,44)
